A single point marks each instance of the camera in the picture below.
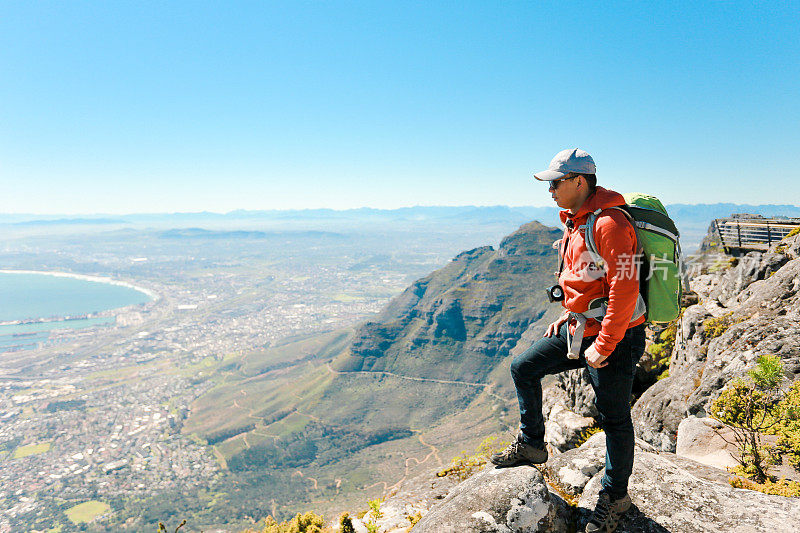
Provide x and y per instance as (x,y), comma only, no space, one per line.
(555,293)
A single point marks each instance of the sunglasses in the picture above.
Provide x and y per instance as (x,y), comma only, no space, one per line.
(555,183)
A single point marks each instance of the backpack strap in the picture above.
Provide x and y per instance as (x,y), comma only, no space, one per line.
(597,313)
(591,244)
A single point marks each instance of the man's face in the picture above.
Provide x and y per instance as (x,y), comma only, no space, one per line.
(565,191)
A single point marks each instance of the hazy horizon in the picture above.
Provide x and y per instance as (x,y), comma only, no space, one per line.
(360,208)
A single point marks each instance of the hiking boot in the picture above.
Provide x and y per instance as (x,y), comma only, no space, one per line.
(607,513)
(519,452)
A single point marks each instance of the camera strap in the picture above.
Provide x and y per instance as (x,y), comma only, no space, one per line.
(562,250)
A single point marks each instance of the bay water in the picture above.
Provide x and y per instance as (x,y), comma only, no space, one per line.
(29,297)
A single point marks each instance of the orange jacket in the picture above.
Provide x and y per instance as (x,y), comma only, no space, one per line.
(583,279)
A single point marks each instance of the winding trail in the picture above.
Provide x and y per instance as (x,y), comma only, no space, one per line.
(250,412)
(387,489)
(434,452)
(484,386)
(313,481)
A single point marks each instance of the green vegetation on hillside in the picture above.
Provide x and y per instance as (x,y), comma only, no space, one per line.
(315,443)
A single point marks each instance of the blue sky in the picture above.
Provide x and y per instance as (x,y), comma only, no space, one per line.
(120,107)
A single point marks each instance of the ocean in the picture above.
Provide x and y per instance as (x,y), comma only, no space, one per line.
(29,297)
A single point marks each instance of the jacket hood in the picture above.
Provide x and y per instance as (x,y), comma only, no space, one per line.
(601,198)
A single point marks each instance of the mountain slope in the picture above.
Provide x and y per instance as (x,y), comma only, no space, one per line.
(427,378)
(455,326)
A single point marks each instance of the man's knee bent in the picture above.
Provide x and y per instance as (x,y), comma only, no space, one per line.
(527,365)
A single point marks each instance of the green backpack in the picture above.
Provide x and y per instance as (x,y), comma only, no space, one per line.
(662,276)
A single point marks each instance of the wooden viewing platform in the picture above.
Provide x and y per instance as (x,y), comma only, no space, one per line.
(741,234)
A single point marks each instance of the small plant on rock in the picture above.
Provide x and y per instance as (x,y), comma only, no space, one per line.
(714,327)
(464,465)
(301,523)
(374,514)
(346,524)
(750,408)
(413,519)
(163,529)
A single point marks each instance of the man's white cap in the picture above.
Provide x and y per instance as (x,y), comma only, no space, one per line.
(566,161)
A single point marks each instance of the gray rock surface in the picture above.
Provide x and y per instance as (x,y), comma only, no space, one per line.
(760,300)
(671,494)
(573,469)
(706,441)
(498,500)
(414,496)
(578,392)
(564,429)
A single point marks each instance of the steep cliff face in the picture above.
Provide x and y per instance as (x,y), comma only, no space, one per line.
(461,320)
(750,309)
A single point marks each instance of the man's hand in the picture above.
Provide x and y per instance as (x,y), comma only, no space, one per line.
(594,359)
(555,326)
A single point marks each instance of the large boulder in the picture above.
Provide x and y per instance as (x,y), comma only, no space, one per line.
(706,441)
(673,494)
(501,500)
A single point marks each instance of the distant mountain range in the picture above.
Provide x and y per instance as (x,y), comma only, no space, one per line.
(692,219)
(546,215)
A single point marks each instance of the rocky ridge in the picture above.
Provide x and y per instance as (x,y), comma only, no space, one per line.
(464,316)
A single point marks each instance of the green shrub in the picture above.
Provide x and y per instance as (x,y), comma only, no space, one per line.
(464,465)
(714,327)
(781,487)
(375,514)
(792,233)
(346,524)
(788,426)
(751,408)
(305,523)
(661,350)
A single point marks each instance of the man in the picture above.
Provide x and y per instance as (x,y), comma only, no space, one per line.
(611,344)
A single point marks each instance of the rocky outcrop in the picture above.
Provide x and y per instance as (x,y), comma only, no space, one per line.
(501,500)
(706,441)
(669,493)
(756,310)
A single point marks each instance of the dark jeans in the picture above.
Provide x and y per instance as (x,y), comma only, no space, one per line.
(612,389)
